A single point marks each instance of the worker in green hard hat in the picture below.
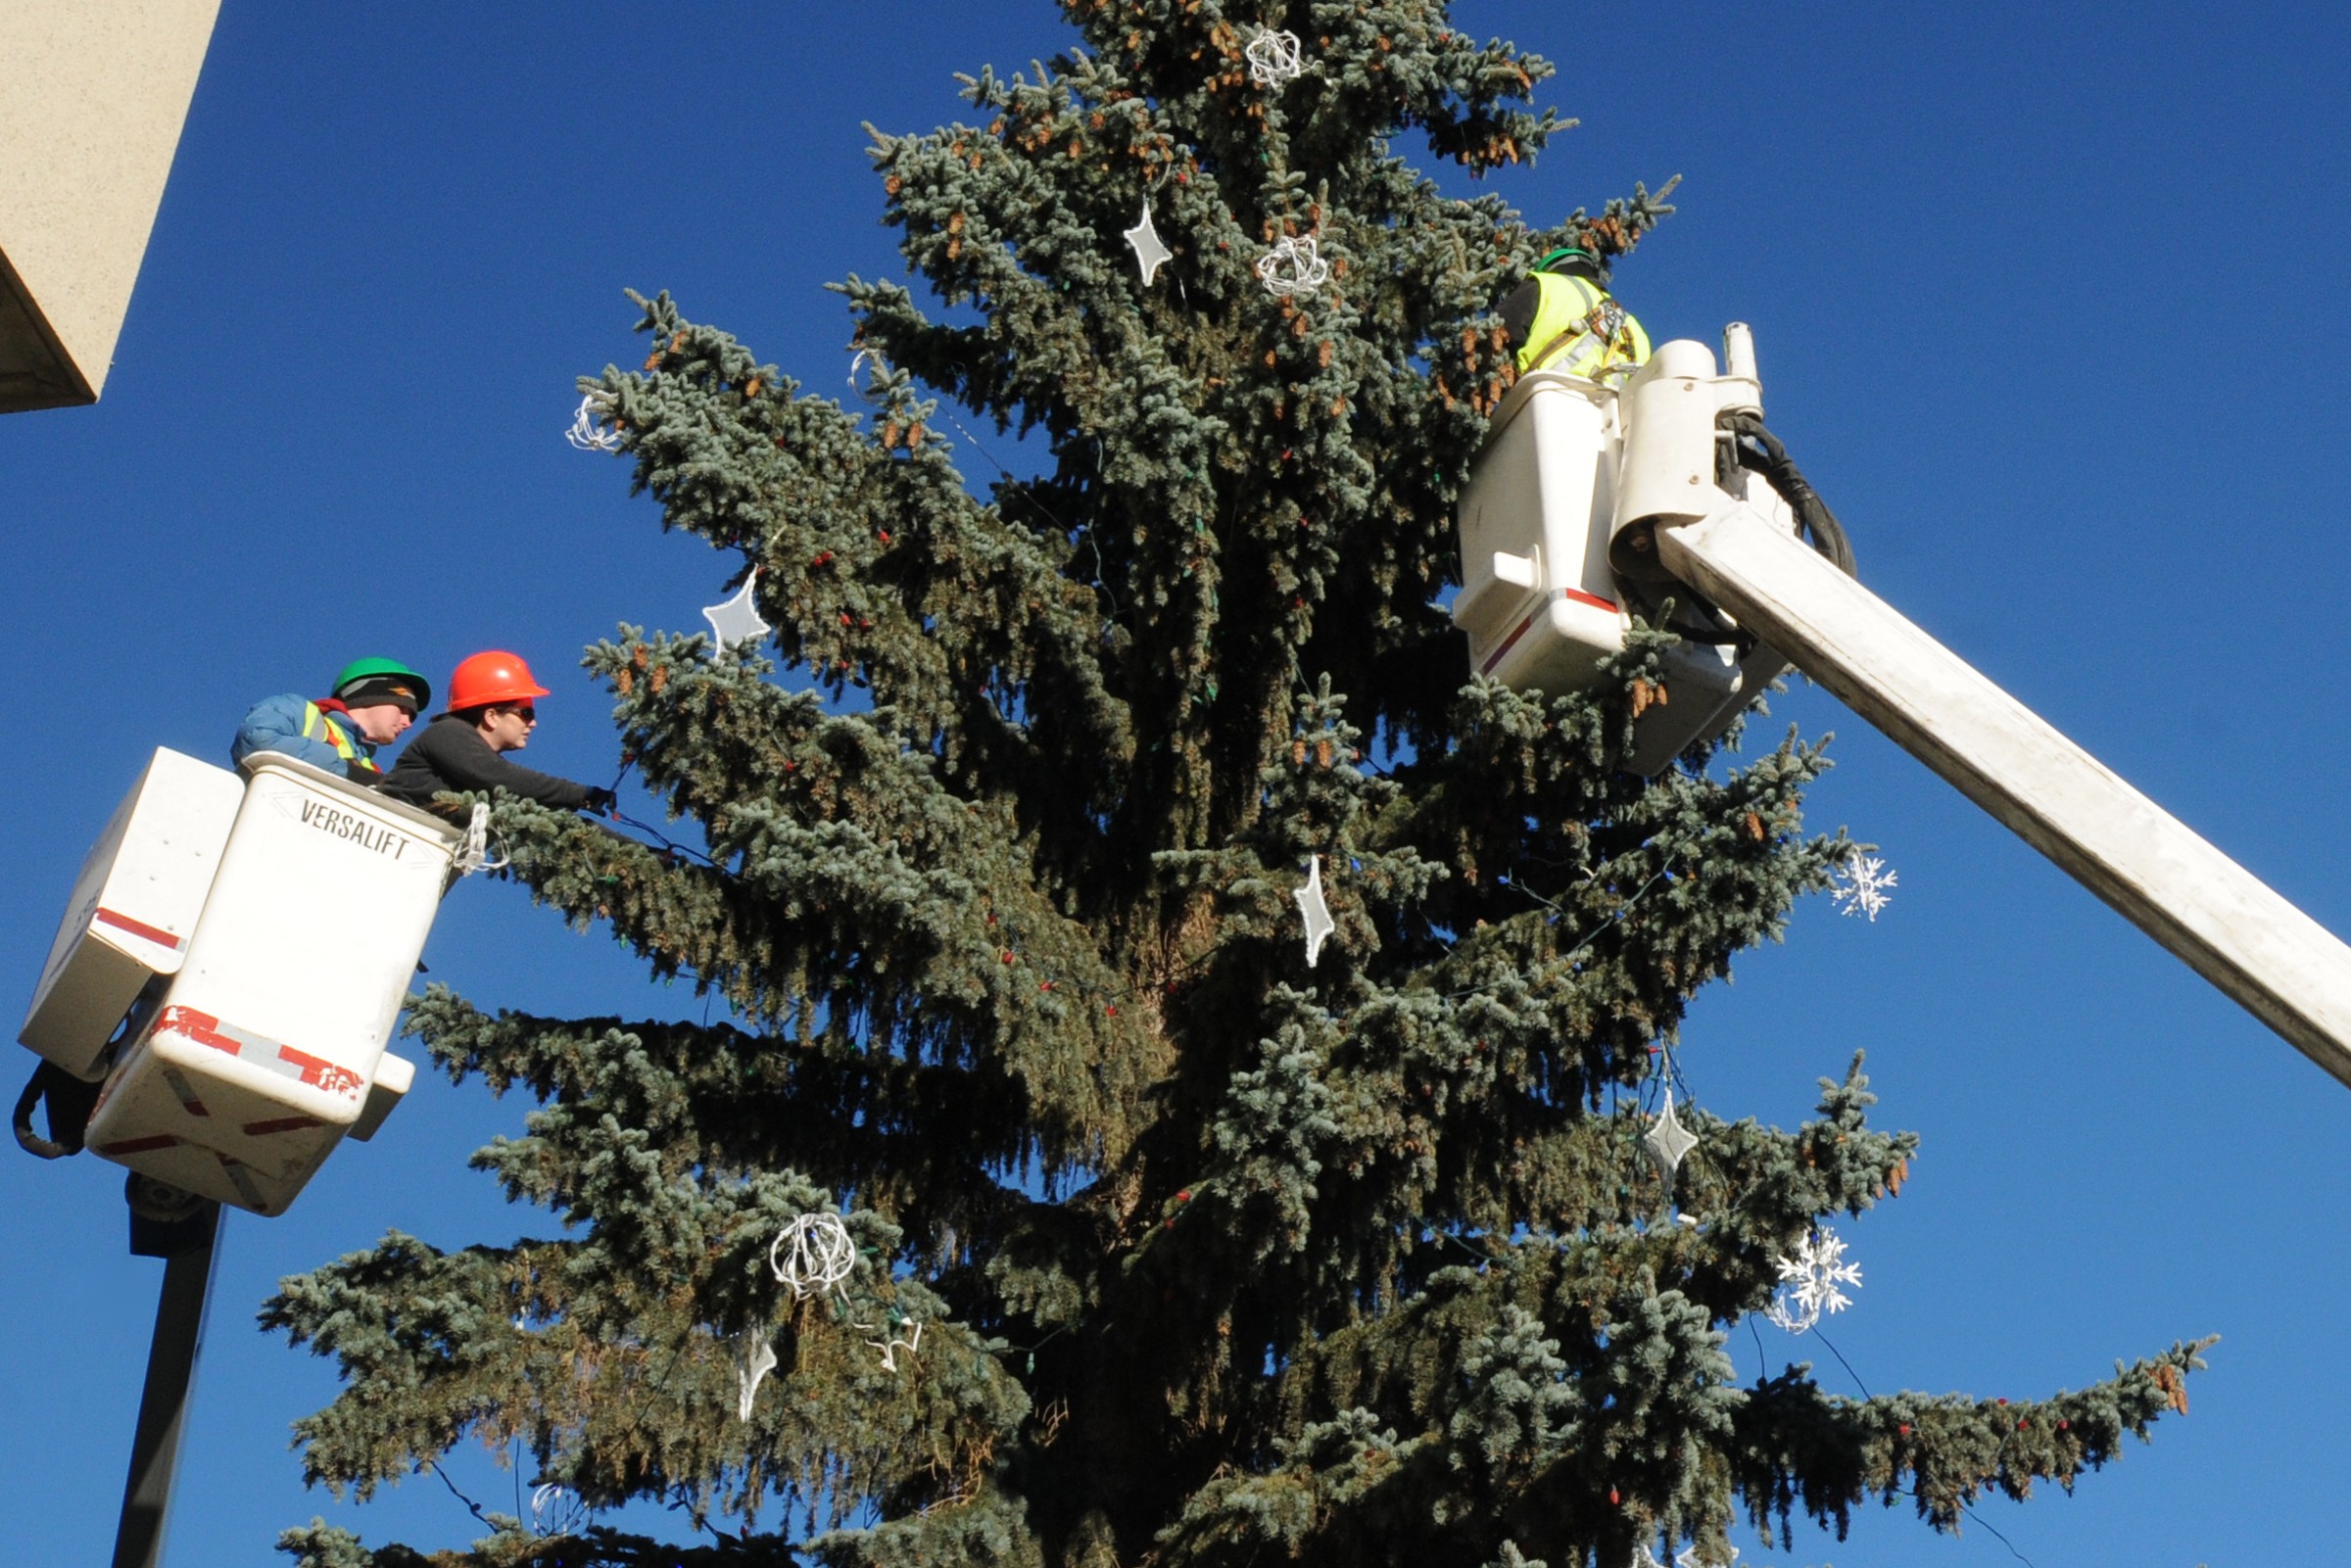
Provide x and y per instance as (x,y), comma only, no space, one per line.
(372,705)
(1562,318)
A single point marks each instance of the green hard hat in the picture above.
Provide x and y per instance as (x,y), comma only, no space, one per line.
(359,671)
(1567,252)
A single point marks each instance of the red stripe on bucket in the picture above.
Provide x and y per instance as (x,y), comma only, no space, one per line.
(314,1070)
(201,1028)
(137,928)
(1577,595)
(186,1092)
(1507,642)
(137,1146)
(320,1073)
(258,1129)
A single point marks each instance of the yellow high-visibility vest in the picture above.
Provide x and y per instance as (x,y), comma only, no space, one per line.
(1579,329)
(316,727)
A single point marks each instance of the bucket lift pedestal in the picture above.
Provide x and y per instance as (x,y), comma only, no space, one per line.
(179,1312)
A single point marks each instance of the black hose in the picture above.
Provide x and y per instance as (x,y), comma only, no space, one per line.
(1757,449)
(71,1102)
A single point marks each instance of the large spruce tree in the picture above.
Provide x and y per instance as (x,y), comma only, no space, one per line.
(1218,1255)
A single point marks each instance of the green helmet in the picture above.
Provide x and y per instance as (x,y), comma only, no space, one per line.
(1572,252)
(363,673)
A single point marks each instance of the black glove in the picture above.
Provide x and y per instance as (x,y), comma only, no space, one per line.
(603,802)
(361,773)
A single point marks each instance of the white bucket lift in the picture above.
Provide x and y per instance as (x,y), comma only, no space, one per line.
(1585,494)
(1541,600)
(265,1045)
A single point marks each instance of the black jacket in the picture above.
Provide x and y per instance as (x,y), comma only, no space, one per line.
(450,754)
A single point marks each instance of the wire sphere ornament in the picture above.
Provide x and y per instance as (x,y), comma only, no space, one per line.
(1292,267)
(874,370)
(590,430)
(1274,57)
(555,1510)
(812,1254)
(911,1344)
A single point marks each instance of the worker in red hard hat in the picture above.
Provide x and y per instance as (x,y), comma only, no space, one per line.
(492,707)
(373,702)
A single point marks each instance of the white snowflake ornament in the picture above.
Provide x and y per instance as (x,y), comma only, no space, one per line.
(1319,924)
(1863,885)
(1667,1141)
(736,621)
(1808,1282)
(1292,267)
(755,1358)
(1274,57)
(1150,252)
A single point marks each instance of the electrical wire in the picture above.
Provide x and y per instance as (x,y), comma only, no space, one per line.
(1913,1492)
(667,845)
(1025,489)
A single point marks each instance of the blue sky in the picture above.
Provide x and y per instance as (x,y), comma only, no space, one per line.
(2048,305)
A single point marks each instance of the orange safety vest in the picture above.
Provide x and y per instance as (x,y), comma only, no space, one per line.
(316,726)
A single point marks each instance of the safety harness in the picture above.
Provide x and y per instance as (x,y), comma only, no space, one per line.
(1579,329)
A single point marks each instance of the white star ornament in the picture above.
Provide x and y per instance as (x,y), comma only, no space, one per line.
(736,621)
(1667,1141)
(1319,924)
(1149,251)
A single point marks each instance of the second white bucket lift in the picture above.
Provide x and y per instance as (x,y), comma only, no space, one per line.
(1656,513)
(274,943)
(1539,601)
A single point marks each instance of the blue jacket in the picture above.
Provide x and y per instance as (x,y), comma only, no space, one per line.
(276,724)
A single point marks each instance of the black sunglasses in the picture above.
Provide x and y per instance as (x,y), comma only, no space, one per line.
(526,713)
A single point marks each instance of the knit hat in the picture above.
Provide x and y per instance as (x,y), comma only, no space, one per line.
(371,690)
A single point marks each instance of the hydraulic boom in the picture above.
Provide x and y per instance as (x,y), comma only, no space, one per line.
(2228,926)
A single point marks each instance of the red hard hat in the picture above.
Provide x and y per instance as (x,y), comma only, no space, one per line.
(493,676)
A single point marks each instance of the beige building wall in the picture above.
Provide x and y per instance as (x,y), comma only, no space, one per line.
(93,97)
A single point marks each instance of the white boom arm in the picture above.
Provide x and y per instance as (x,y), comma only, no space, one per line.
(2230,926)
